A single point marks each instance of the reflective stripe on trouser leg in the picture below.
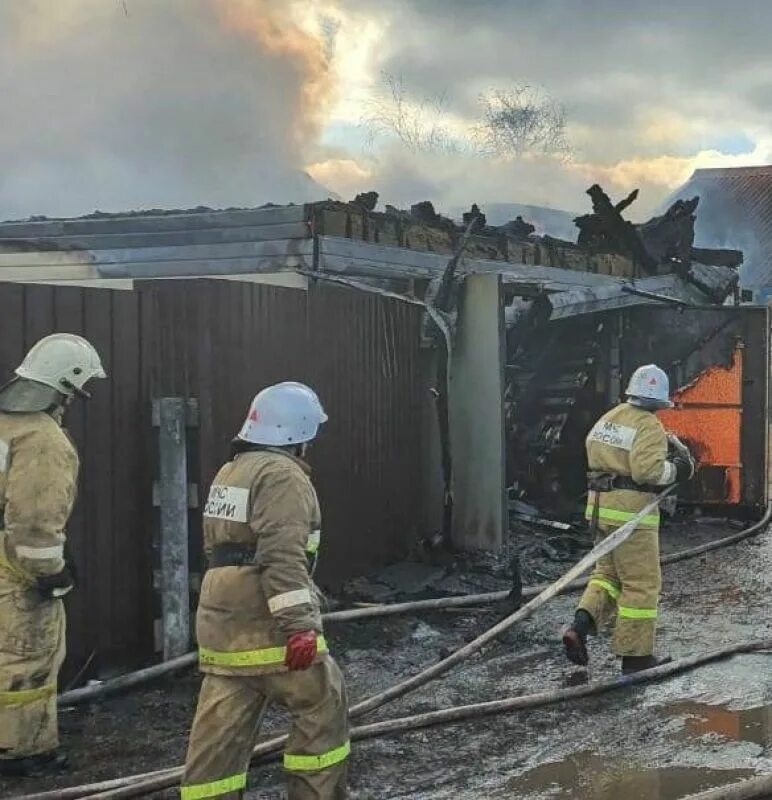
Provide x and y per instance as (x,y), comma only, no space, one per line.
(316,754)
(32,648)
(219,788)
(599,598)
(295,763)
(221,740)
(637,562)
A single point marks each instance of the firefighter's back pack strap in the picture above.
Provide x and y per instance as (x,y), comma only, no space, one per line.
(595,515)
(232,554)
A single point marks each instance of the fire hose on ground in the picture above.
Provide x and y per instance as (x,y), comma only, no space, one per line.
(133,786)
(132,679)
(136,785)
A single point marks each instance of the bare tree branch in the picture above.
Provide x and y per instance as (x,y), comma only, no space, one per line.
(512,123)
(521,120)
(419,125)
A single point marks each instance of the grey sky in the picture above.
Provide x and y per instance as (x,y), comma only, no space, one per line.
(172,106)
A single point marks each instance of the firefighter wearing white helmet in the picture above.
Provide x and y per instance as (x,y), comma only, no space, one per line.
(629,463)
(38,478)
(259,625)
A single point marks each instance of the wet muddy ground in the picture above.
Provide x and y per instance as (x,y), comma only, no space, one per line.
(659,742)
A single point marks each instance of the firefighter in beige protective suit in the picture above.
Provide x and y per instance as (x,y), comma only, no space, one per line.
(259,623)
(38,478)
(629,463)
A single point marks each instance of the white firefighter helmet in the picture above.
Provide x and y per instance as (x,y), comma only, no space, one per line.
(62,361)
(285,414)
(650,386)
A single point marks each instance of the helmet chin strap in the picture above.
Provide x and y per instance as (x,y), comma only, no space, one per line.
(75,389)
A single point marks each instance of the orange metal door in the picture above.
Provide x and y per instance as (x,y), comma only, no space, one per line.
(708,417)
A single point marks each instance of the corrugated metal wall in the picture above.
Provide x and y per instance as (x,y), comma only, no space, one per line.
(220,342)
(227,340)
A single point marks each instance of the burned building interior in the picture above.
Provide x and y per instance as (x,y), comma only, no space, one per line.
(569,358)
(570,350)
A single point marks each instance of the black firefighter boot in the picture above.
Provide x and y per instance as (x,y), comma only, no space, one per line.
(575,638)
(633,664)
(37,766)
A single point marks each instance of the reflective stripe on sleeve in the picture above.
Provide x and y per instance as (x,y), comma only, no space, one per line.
(314,541)
(200,791)
(317,763)
(288,599)
(608,587)
(668,475)
(637,613)
(26,696)
(264,657)
(39,553)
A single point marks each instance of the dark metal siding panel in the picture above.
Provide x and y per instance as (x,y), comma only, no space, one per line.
(131,561)
(366,367)
(12,316)
(359,351)
(221,342)
(98,459)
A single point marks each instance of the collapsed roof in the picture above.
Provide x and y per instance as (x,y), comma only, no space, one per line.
(614,263)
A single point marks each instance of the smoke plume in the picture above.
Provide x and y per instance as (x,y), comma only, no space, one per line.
(123,104)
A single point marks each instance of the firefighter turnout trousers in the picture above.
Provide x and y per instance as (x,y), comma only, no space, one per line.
(627,581)
(32,649)
(225,731)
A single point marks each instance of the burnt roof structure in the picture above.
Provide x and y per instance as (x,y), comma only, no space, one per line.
(399,250)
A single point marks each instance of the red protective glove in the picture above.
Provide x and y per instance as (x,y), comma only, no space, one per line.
(301,650)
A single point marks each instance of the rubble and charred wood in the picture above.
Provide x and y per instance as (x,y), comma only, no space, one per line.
(671,236)
(606,228)
(717,257)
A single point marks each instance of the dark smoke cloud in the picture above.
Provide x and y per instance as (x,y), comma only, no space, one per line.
(168,105)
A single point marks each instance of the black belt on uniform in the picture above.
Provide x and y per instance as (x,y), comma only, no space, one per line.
(232,554)
(609,482)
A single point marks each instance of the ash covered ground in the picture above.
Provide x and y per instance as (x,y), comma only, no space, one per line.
(658,742)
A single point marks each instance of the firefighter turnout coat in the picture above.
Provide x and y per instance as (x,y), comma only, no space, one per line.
(263,503)
(38,480)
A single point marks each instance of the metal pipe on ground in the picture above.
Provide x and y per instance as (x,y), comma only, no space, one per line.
(138,785)
(744,790)
(128,681)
